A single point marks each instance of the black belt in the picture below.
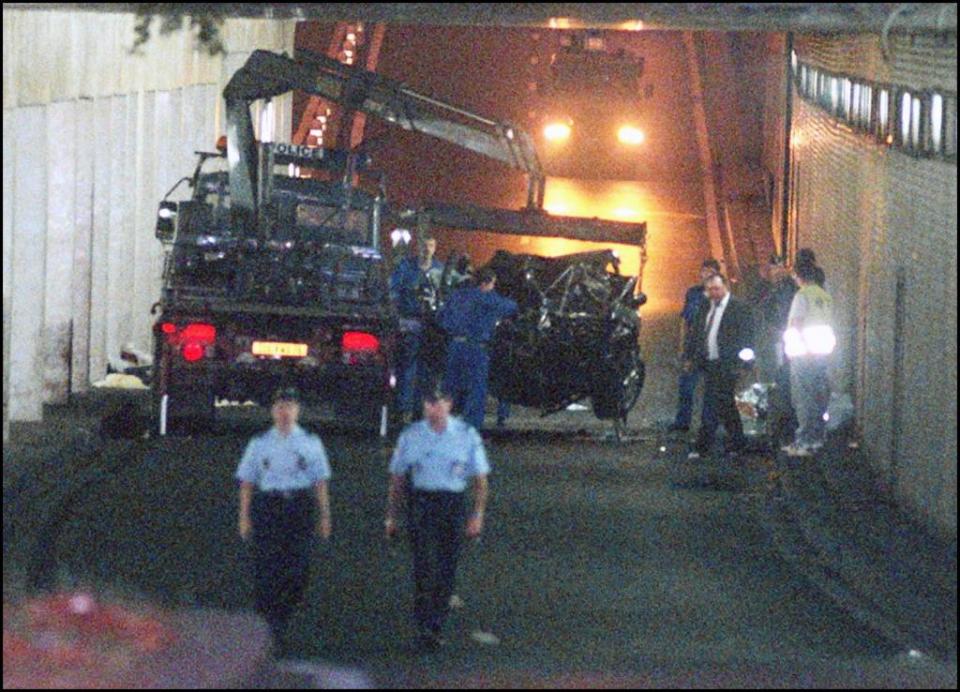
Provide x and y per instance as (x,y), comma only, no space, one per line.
(436,493)
(284,494)
(468,340)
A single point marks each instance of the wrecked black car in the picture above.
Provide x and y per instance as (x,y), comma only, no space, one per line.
(575,336)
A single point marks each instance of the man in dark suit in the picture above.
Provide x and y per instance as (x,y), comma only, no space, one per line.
(720,343)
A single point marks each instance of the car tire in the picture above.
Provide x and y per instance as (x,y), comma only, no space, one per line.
(618,389)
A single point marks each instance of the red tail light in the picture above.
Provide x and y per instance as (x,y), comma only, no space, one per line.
(192,339)
(205,334)
(360,348)
(193,351)
(354,342)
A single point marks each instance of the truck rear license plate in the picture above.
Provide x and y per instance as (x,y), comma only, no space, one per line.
(279,349)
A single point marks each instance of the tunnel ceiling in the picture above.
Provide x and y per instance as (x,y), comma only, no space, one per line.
(802,17)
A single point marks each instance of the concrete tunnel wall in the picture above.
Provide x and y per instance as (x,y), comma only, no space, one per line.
(93,137)
(883,222)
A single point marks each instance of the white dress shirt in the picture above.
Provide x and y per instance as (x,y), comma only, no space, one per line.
(716,310)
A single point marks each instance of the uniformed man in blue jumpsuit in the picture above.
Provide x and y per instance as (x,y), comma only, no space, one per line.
(437,456)
(413,276)
(469,318)
(283,474)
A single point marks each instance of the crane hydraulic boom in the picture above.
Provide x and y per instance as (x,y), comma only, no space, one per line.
(267,74)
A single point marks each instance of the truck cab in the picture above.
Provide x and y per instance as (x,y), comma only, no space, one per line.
(299,298)
(589,110)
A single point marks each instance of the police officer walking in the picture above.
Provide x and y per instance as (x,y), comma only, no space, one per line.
(436,456)
(469,318)
(283,474)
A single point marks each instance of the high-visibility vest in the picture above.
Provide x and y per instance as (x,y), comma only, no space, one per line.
(816,337)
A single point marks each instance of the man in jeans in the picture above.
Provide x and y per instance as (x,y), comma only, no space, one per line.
(414,276)
(687,385)
(808,342)
(775,309)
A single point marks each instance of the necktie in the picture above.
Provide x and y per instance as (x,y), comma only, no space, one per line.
(713,312)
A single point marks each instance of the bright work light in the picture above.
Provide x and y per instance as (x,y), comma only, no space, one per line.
(557,132)
(628,134)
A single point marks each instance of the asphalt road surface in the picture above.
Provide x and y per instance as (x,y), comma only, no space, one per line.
(596,567)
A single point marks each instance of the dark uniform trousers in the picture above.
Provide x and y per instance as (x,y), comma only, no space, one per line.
(436,533)
(720,383)
(468,368)
(782,418)
(283,524)
(408,367)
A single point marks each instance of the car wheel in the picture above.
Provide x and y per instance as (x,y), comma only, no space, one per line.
(618,387)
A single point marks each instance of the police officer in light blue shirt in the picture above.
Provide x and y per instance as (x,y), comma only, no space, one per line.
(438,456)
(283,474)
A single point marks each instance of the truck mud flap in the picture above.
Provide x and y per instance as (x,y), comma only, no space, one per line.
(185,410)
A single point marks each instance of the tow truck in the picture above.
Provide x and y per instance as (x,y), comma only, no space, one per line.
(273,273)
(272,279)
